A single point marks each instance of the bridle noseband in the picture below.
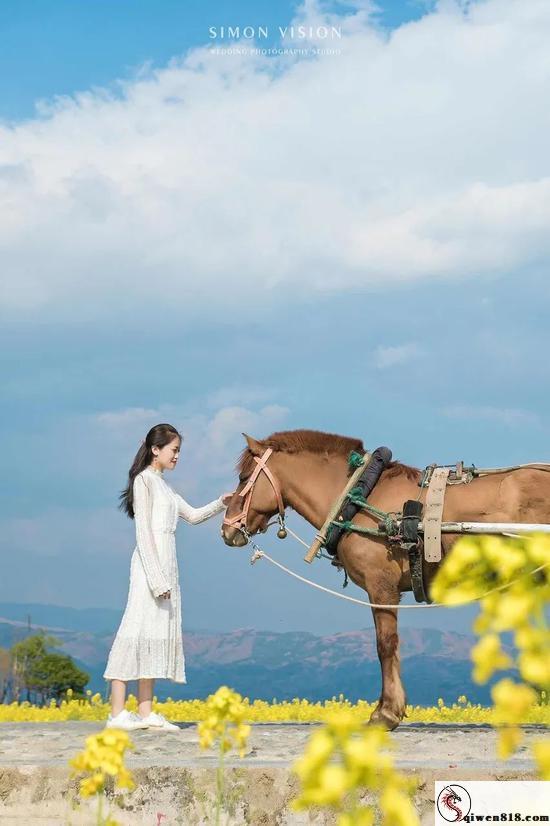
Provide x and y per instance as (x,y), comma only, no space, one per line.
(239,521)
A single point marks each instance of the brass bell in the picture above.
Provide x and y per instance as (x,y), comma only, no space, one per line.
(281,533)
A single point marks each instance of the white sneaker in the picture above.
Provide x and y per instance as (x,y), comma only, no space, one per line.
(155,720)
(125,719)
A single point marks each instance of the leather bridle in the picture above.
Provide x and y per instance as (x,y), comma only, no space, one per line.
(239,520)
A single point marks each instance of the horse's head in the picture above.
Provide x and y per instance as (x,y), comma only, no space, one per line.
(256,499)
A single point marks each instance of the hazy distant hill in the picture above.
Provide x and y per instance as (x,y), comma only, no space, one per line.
(263,664)
(77,619)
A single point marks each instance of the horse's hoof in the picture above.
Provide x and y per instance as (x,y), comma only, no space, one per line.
(387,719)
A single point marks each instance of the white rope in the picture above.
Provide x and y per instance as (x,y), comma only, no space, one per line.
(259,554)
(295,535)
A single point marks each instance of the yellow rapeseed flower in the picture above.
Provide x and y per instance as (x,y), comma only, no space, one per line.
(332,784)
(295,710)
(512,700)
(506,558)
(535,667)
(512,610)
(358,817)
(225,712)
(103,755)
(488,656)
(509,738)
(397,808)
(344,756)
(541,750)
(538,550)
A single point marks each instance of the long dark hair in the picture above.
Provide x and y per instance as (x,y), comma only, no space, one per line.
(159,436)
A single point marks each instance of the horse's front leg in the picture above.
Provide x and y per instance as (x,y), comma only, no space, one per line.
(371,566)
(391,705)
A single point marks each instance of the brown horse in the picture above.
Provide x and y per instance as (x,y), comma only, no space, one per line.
(310,468)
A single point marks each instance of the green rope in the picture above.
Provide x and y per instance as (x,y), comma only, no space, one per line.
(356,498)
(351,526)
(355,459)
(390,525)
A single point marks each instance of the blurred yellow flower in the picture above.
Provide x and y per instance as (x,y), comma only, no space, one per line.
(358,817)
(488,656)
(512,610)
(225,712)
(103,755)
(535,667)
(332,784)
(343,757)
(513,597)
(397,808)
(541,750)
(321,745)
(509,738)
(512,700)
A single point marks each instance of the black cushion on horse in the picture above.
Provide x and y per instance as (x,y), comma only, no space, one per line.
(380,459)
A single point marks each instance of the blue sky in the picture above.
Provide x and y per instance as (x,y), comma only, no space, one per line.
(56,47)
(356,243)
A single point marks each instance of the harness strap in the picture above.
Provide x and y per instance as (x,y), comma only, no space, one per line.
(434,511)
(239,519)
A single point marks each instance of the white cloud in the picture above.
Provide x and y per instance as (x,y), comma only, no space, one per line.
(230,421)
(128,417)
(212,441)
(509,416)
(399,354)
(422,154)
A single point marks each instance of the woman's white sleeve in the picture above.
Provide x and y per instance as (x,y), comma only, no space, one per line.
(145,540)
(195,515)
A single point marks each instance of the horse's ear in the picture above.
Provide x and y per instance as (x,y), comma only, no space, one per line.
(253,444)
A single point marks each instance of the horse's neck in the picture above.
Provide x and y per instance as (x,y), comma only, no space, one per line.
(311,483)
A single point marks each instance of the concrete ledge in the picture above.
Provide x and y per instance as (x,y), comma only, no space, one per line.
(175,779)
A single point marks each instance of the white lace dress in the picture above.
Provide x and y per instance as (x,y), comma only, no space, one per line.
(149,640)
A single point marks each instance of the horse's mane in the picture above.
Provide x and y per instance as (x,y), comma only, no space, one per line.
(316,441)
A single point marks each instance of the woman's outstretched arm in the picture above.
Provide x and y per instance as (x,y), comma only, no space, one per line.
(145,541)
(195,515)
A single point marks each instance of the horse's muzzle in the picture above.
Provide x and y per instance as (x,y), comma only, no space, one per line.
(233,537)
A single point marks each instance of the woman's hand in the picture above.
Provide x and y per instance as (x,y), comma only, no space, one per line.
(166,595)
(227,497)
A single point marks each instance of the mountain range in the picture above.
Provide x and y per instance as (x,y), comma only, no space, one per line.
(264,664)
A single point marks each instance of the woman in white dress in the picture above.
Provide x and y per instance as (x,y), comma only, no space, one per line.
(149,644)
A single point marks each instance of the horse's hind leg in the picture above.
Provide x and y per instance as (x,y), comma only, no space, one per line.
(391,705)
